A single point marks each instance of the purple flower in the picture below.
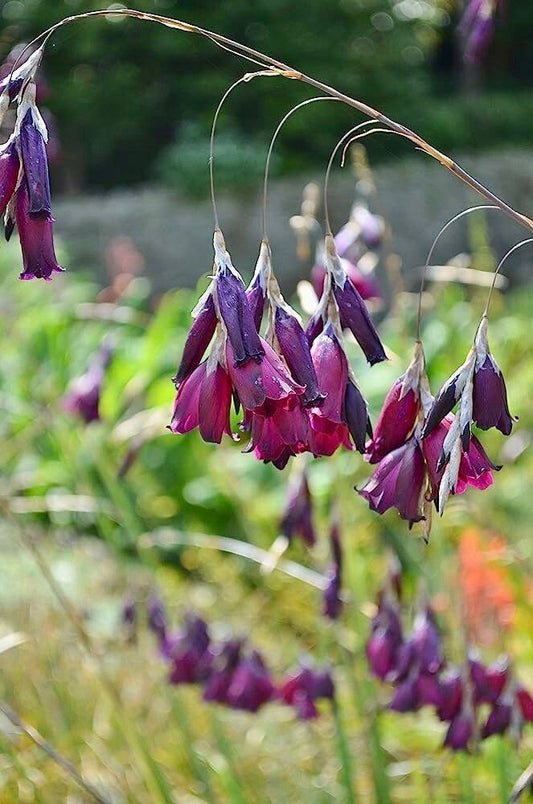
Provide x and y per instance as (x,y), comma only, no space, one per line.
(222,665)
(298,515)
(498,721)
(525,702)
(256,290)
(450,696)
(477,28)
(399,413)
(186,651)
(427,642)
(385,642)
(257,382)
(295,349)
(251,685)
(198,338)
(35,162)
(488,682)
(331,596)
(405,697)
(83,394)
(355,414)
(303,687)
(460,732)
(9,170)
(36,240)
(203,400)
(490,408)
(398,482)
(352,309)
(371,227)
(235,308)
(328,426)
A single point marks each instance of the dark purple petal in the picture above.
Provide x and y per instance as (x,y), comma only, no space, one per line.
(35,161)
(490,407)
(488,682)
(355,316)
(314,327)
(256,299)
(405,697)
(9,170)
(450,697)
(251,685)
(198,339)
(498,720)
(459,732)
(298,516)
(295,349)
(427,643)
(356,416)
(238,318)
(157,618)
(442,405)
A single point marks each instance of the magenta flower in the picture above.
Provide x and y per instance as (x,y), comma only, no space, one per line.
(498,721)
(305,686)
(278,429)
(488,682)
(187,651)
(36,240)
(398,482)
(477,28)
(328,426)
(257,382)
(203,400)
(9,171)
(222,665)
(450,696)
(365,284)
(427,642)
(400,410)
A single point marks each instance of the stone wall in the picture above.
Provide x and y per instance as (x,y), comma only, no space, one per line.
(174,234)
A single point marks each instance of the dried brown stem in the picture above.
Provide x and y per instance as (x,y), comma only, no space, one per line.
(258,58)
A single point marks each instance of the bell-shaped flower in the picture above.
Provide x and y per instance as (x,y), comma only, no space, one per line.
(352,309)
(399,413)
(33,135)
(278,429)
(257,382)
(234,307)
(83,394)
(251,685)
(398,482)
(355,414)
(460,731)
(488,682)
(297,519)
(427,642)
(222,665)
(385,641)
(490,407)
(187,651)
(328,428)
(460,382)
(203,399)
(498,721)
(36,240)
(294,347)
(305,686)
(9,171)
(198,338)
(450,696)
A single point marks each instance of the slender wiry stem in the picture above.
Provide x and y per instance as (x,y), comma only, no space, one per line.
(212,145)
(330,164)
(497,271)
(45,746)
(430,254)
(265,61)
(271,147)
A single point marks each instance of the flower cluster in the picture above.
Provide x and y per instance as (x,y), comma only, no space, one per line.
(423,453)
(24,179)
(227,671)
(295,387)
(475,700)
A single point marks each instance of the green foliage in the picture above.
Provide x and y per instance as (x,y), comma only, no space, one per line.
(135,88)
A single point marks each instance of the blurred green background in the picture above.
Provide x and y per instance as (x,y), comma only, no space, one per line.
(133,103)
